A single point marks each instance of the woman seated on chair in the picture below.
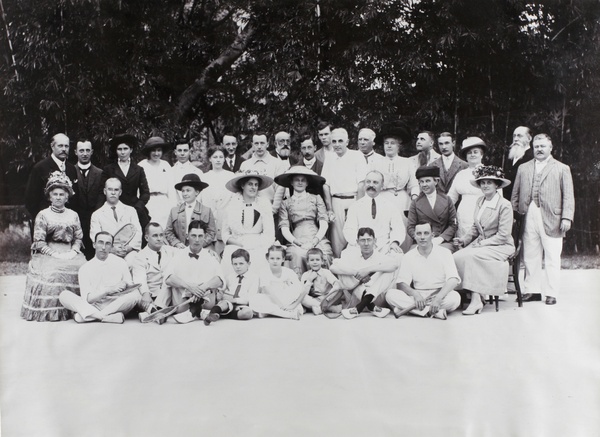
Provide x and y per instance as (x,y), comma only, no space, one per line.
(482,264)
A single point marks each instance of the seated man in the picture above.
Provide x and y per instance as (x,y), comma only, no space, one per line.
(239,287)
(367,274)
(372,211)
(428,269)
(194,273)
(149,266)
(107,292)
(433,207)
(112,217)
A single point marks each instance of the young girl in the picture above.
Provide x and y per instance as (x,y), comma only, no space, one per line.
(280,292)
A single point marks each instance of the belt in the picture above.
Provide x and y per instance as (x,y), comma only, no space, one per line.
(342,196)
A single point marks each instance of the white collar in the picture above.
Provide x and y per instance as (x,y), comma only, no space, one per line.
(84,166)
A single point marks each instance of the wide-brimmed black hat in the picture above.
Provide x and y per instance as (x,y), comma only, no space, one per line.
(428,171)
(235,184)
(153,143)
(396,129)
(191,180)
(123,138)
(313,179)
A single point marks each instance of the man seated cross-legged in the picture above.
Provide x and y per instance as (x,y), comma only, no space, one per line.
(107,291)
(426,270)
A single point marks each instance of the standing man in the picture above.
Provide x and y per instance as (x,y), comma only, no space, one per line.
(35,200)
(449,163)
(543,193)
(106,288)
(233,160)
(112,217)
(324,132)
(426,155)
(373,211)
(89,186)
(427,269)
(308,149)
(183,165)
(345,174)
(283,147)
(366,142)
(519,153)
(263,163)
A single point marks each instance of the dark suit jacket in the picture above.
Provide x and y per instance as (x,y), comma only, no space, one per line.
(176,231)
(317,166)
(236,164)
(442,218)
(134,181)
(35,199)
(90,189)
(510,171)
(447,176)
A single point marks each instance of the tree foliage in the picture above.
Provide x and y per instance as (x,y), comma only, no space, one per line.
(92,68)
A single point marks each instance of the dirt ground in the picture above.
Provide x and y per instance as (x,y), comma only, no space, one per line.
(531,371)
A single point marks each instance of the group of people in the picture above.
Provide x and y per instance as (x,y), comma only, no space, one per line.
(326,230)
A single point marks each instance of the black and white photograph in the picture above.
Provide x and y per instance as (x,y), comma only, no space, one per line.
(299,218)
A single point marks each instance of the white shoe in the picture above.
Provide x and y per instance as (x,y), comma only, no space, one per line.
(317,310)
(380,312)
(441,314)
(350,313)
(77,317)
(184,317)
(142,316)
(204,314)
(114,318)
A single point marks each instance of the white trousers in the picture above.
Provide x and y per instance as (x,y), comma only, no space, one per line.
(399,299)
(535,244)
(122,304)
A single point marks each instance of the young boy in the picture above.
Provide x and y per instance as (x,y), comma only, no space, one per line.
(239,287)
(322,281)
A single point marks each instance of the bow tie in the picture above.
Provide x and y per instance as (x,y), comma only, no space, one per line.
(193,255)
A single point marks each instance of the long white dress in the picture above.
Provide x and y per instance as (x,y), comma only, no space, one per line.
(217,198)
(162,190)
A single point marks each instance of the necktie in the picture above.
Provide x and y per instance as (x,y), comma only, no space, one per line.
(193,255)
(114,208)
(158,255)
(231,163)
(373,208)
(239,286)
(423,157)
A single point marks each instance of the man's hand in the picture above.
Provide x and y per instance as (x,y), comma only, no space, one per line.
(180,245)
(395,247)
(435,305)
(419,301)
(119,250)
(118,288)
(331,216)
(565,225)
(363,275)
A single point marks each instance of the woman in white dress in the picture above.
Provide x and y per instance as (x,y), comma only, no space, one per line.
(248,220)
(160,181)
(482,265)
(473,150)
(217,196)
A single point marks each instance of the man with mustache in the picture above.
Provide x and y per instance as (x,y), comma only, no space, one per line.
(449,163)
(371,211)
(233,160)
(543,193)
(35,200)
(366,141)
(519,153)
(283,147)
(426,155)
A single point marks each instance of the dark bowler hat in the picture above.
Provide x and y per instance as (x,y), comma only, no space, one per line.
(428,171)
(191,180)
(123,138)
(396,129)
(153,143)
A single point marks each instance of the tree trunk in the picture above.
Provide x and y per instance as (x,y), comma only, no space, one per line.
(189,98)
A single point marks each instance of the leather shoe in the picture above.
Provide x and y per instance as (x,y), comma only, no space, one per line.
(550,300)
(531,297)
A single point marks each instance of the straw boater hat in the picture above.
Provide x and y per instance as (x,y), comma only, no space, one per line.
(191,180)
(58,179)
(123,139)
(471,142)
(490,172)
(236,183)
(428,171)
(153,143)
(313,179)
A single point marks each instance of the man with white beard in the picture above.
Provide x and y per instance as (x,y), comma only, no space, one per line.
(519,153)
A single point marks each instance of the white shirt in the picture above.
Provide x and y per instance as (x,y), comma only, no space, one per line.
(448,160)
(427,273)
(431,198)
(387,224)
(190,269)
(373,160)
(61,164)
(148,271)
(103,219)
(344,173)
(179,170)
(248,286)
(309,163)
(539,165)
(96,274)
